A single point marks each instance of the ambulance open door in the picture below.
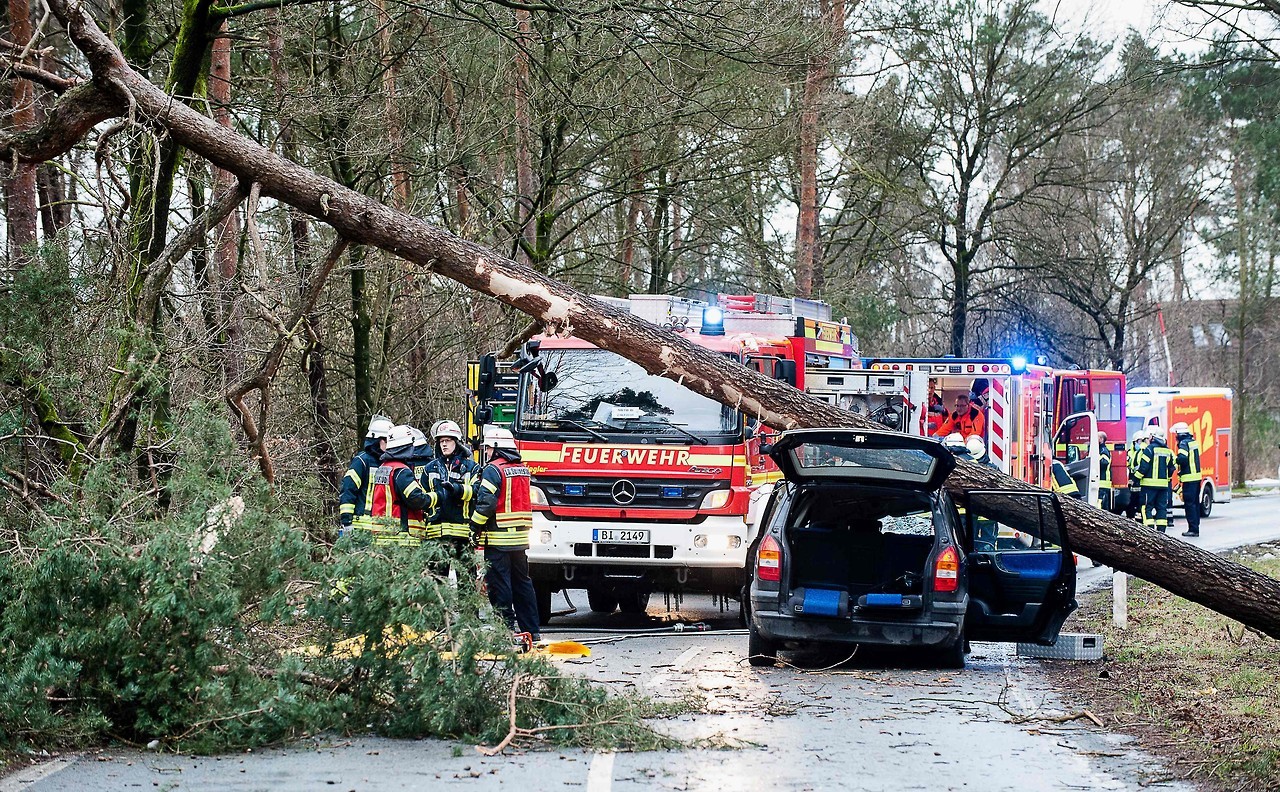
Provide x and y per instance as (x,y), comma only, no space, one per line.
(1075,446)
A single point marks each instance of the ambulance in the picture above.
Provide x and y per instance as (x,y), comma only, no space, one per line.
(1207,412)
(640,484)
(1032,413)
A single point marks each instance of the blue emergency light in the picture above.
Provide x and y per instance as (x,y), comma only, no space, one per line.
(1019,363)
(713,321)
(673,492)
(575,490)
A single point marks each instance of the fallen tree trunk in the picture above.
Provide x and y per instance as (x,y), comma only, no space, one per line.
(1183,569)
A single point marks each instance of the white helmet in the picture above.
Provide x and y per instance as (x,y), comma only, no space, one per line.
(380,427)
(419,439)
(498,437)
(441,429)
(1181,428)
(977,448)
(400,436)
(953,439)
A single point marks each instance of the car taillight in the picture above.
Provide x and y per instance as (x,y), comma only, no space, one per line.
(769,560)
(946,572)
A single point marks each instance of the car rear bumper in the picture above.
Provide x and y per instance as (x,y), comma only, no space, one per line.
(938,628)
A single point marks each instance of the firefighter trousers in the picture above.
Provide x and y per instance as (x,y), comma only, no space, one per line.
(458,554)
(511,589)
(1191,503)
(1155,511)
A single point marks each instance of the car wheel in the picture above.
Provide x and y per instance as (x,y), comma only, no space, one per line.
(760,650)
(953,655)
(601,600)
(634,602)
(1206,501)
(543,595)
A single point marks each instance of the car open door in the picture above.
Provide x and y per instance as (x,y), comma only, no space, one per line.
(1021,572)
(1076,447)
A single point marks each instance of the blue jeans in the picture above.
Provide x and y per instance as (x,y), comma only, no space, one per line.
(511,589)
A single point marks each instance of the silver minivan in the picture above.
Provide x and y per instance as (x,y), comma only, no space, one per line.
(861,545)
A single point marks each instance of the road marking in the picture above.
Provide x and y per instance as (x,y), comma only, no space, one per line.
(600,774)
(683,660)
(24,779)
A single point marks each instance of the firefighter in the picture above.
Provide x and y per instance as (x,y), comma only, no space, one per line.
(500,522)
(1106,501)
(1155,471)
(451,480)
(422,456)
(937,411)
(1063,484)
(1137,447)
(355,484)
(1189,474)
(966,420)
(396,502)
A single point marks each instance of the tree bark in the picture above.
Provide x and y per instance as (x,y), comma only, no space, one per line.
(20,181)
(1183,569)
(524,132)
(226,251)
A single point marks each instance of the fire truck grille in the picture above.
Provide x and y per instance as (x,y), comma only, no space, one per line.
(628,493)
(588,550)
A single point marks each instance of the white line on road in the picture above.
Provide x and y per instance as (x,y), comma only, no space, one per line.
(683,660)
(600,774)
(24,779)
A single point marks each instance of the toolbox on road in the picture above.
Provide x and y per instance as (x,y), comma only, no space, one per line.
(1069,646)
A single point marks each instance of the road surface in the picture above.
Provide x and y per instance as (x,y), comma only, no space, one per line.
(873,722)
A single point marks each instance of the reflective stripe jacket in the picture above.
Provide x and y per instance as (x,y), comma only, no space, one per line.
(503,512)
(451,514)
(1155,466)
(352,496)
(1104,467)
(396,502)
(1062,481)
(1136,452)
(971,423)
(1189,460)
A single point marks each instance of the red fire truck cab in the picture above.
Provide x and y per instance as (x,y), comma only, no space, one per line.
(640,484)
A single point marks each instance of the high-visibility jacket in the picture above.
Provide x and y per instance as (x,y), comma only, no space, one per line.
(969,423)
(1136,451)
(1063,484)
(451,514)
(355,486)
(395,505)
(1104,467)
(503,511)
(1189,460)
(1155,466)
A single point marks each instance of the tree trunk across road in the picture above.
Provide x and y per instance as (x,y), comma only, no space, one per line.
(1222,585)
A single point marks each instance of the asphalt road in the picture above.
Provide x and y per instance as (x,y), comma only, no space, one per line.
(873,722)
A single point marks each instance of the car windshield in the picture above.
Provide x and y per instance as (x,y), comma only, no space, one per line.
(602,390)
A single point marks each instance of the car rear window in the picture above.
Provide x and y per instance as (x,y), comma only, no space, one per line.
(842,460)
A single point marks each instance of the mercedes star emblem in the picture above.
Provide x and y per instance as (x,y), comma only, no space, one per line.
(624,492)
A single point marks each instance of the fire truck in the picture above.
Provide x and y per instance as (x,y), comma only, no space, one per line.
(640,484)
(1032,413)
(1207,412)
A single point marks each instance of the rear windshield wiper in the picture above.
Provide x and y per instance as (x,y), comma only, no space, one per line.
(664,422)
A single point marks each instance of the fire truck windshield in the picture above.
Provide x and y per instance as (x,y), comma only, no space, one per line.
(605,391)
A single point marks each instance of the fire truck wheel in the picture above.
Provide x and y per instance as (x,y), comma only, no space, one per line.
(601,600)
(1206,500)
(543,595)
(634,602)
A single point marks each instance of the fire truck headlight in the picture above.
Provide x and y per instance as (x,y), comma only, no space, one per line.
(716,499)
(537,497)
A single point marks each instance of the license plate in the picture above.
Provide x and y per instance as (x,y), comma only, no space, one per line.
(618,536)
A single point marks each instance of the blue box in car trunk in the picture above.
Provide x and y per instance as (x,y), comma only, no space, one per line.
(819,602)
